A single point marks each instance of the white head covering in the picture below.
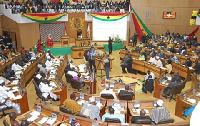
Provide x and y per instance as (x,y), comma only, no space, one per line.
(160,102)
(92,99)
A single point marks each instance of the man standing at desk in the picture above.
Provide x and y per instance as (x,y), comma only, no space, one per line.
(110,45)
(91,55)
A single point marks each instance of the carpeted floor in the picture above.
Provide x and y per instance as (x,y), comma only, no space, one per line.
(116,71)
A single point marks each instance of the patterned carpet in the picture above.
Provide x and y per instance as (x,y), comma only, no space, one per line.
(126,80)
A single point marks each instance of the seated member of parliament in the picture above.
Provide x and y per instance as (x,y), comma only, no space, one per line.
(112,115)
(127,90)
(159,113)
(72,105)
(142,116)
(107,90)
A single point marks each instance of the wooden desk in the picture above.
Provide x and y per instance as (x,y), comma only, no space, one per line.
(158,87)
(64,40)
(184,72)
(30,70)
(182,103)
(87,96)
(8,62)
(147,105)
(46,112)
(119,86)
(138,65)
(123,103)
(92,86)
(84,40)
(23,102)
(61,91)
(78,52)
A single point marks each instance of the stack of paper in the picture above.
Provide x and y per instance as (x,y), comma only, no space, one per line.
(43,120)
(193,101)
(14,82)
(53,84)
(51,121)
(34,116)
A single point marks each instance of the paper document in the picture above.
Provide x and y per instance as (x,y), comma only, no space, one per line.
(35,113)
(32,118)
(51,121)
(43,120)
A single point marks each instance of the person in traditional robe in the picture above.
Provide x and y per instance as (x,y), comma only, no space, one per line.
(72,105)
(91,110)
(159,113)
(50,40)
(48,63)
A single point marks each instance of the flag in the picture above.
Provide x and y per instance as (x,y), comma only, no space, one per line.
(43,17)
(88,31)
(108,16)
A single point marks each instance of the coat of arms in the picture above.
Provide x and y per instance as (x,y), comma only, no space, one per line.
(77,23)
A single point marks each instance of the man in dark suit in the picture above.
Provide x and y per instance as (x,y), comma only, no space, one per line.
(142,116)
(188,62)
(127,91)
(135,37)
(169,88)
(176,77)
(148,86)
(110,45)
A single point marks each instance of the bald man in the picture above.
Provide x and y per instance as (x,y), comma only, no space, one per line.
(142,116)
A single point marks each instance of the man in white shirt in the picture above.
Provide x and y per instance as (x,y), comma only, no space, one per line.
(149,73)
(108,91)
(152,59)
(15,67)
(4,93)
(48,63)
(46,90)
(157,62)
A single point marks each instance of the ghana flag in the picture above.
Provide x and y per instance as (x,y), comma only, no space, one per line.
(140,27)
(108,16)
(43,17)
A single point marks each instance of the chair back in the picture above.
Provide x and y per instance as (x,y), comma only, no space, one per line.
(176,89)
(107,96)
(112,120)
(143,121)
(126,96)
(37,89)
(65,110)
(68,77)
(166,121)
(76,84)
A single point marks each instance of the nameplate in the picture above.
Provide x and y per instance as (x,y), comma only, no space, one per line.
(54,115)
(184,96)
(39,108)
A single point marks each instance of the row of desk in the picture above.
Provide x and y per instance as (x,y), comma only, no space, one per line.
(9,62)
(182,103)
(78,52)
(144,66)
(126,105)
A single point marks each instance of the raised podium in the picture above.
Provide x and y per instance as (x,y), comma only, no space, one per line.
(64,40)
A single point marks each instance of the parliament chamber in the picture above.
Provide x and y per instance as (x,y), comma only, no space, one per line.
(68,83)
